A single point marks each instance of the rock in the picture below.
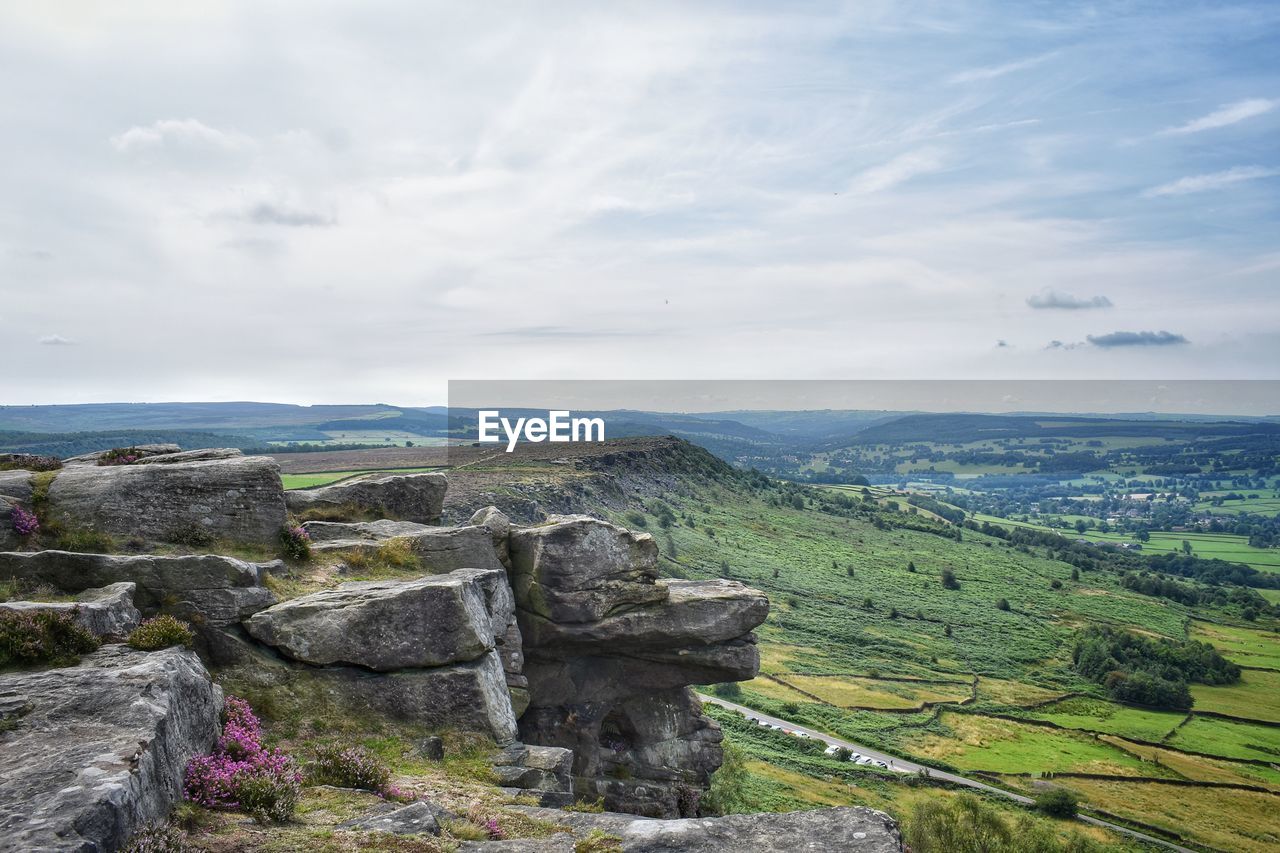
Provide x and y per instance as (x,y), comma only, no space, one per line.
(9,537)
(16,485)
(142,451)
(420,818)
(847,829)
(106,612)
(543,771)
(499,526)
(561,842)
(579,569)
(204,454)
(432,748)
(691,613)
(438,549)
(403,497)
(469,697)
(236,499)
(103,747)
(384,625)
(609,652)
(209,589)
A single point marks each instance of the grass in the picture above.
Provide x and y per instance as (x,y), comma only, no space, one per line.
(845,691)
(324,478)
(1228,739)
(976,743)
(1224,819)
(1098,715)
(1245,646)
(1256,697)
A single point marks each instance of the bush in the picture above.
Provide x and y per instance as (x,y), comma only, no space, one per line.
(84,540)
(120,456)
(949,580)
(353,767)
(1058,802)
(968,825)
(728,690)
(35,637)
(1002,604)
(598,841)
(161,632)
(158,838)
(295,543)
(24,523)
(242,772)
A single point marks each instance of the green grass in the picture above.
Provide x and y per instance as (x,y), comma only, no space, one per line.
(1245,646)
(1098,715)
(324,478)
(1221,546)
(1256,697)
(1228,739)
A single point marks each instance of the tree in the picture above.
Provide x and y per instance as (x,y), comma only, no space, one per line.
(1002,604)
(867,604)
(949,580)
(1059,803)
(946,631)
(1075,574)
(728,794)
(1186,547)
(911,566)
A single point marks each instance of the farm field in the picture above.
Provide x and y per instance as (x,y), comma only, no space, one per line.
(1257,696)
(324,478)
(1245,646)
(1098,715)
(1267,503)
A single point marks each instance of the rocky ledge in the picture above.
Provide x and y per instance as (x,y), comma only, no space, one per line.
(94,751)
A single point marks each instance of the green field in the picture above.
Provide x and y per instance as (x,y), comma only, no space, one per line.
(1257,696)
(1098,715)
(1245,646)
(1228,739)
(324,478)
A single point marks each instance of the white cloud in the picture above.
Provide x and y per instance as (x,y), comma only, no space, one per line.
(56,341)
(1212,181)
(1054,299)
(992,72)
(188,133)
(1224,116)
(900,169)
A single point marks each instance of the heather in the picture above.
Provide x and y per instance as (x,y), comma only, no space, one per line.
(242,773)
(35,637)
(295,542)
(25,523)
(160,632)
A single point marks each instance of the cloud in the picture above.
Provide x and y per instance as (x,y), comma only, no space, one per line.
(185,133)
(1224,116)
(272,214)
(1212,181)
(56,341)
(1061,345)
(1053,299)
(902,168)
(1137,339)
(1002,344)
(991,72)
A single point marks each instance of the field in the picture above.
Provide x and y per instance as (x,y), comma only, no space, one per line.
(862,633)
(324,478)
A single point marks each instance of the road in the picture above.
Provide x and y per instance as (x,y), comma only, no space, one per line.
(903,765)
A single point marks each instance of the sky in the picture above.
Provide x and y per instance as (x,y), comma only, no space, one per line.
(321,202)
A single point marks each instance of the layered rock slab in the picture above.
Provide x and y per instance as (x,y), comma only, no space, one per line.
(382,625)
(402,497)
(235,498)
(439,549)
(847,829)
(106,612)
(99,749)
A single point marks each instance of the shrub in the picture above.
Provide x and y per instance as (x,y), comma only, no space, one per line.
(242,772)
(28,462)
(728,792)
(24,523)
(1002,604)
(84,540)
(295,543)
(636,519)
(949,580)
(161,632)
(968,825)
(353,767)
(158,838)
(598,841)
(1058,802)
(1057,584)
(192,534)
(42,637)
(728,690)
(120,456)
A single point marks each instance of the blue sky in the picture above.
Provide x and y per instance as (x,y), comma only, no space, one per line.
(339,202)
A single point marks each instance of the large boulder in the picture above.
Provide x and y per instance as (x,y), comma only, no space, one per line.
(579,569)
(403,497)
(9,537)
(106,612)
(97,750)
(847,829)
(236,499)
(544,772)
(609,653)
(383,625)
(438,549)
